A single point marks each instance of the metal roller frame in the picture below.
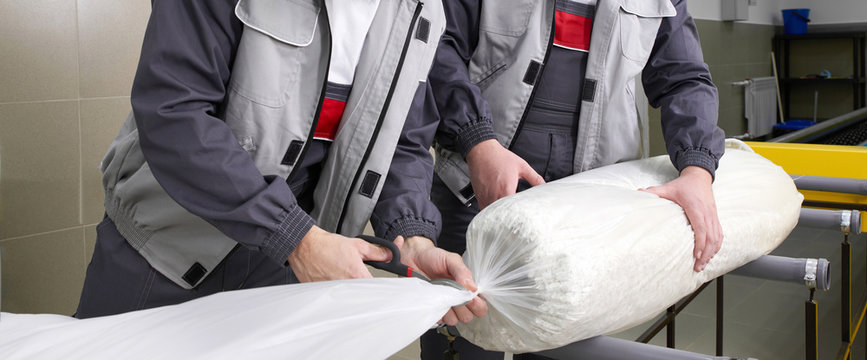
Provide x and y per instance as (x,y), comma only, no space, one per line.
(846,221)
(823,128)
(609,348)
(813,273)
(832,184)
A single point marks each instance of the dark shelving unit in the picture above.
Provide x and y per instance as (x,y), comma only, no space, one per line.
(788,83)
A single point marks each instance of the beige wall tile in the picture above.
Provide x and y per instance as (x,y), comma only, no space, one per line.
(39,179)
(38,50)
(110,37)
(41,274)
(100,121)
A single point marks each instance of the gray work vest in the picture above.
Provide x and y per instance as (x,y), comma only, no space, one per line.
(514,39)
(275,89)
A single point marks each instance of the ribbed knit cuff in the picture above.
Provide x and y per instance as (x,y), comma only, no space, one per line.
(474,133)
(294,224)
(696,157)
(411,226)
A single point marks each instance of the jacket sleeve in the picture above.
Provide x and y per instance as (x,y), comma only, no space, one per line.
(465,115)
(677,79)
(185,64)
(404,207)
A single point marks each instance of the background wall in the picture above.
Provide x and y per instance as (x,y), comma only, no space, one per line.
(66,67)
(768,11)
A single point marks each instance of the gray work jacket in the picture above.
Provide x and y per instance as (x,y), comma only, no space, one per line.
(508,52)
(267,106)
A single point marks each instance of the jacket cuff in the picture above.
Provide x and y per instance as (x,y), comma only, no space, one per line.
(473,133)
(294,224)
(700,157)
(412,226)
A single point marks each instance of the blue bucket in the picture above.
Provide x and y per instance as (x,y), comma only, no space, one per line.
(795,21)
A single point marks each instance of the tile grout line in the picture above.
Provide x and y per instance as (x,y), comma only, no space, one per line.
(48,232)
(80,137)
(63,100)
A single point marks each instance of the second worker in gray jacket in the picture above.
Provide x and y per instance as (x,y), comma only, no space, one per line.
(531,91)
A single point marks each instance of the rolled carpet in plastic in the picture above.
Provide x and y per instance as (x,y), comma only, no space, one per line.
(590,255)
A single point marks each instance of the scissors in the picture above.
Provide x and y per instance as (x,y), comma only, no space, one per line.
(396,267)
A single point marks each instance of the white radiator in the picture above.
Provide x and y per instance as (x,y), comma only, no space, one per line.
(760,105)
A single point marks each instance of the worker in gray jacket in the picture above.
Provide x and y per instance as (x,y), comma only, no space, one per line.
(263,136)
(531,91)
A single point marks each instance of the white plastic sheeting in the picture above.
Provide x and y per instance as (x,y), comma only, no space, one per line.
(348,319)
(579,257)
(590,254)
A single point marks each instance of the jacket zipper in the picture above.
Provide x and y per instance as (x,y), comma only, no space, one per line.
(539,77)
(382,114)
(318,107)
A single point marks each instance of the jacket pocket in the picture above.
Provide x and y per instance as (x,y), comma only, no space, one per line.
(275,34)
(639,23)
(510,17)
(483,79)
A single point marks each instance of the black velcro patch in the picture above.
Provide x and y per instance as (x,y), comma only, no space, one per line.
(423,31)
(467,192)
(194,274)
(532,72)
(588,94)
(292,153)
(368,185)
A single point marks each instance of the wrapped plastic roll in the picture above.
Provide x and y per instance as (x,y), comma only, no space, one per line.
(343,319)
(590,255)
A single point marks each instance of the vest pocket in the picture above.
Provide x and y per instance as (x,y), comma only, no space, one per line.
(276,34)
(510,18)
(485,78)
(639,23)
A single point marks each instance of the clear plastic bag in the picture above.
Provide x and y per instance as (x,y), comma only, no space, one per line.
(590,255)
(349,319)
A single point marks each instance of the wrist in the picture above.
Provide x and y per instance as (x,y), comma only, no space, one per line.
(307,242)
(697,172)
(484,147)
(417,243)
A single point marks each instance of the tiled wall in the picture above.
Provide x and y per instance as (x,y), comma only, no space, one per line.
(734,51)
(66,67)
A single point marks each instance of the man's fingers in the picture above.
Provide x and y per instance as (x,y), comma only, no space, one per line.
(372,252)
(464,315)
(450,318)
(661,191)
(532,177)
(478,306)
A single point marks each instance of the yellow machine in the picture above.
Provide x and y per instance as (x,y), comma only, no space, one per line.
(821,160)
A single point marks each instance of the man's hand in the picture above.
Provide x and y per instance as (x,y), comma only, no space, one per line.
(693,192)
(420,253)
(322,255)
(495,171)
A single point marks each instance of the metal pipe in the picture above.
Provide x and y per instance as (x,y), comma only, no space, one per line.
(669,329)
(608,348)
(832,184)
(669,316)
(811,314)
(720,296)
(814,273)
(826,127)
(845,297)
(846,221)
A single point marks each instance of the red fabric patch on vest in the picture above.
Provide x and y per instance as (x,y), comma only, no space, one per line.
(329,119)
(572,31)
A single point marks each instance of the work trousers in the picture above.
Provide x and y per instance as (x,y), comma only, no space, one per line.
(119,279)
